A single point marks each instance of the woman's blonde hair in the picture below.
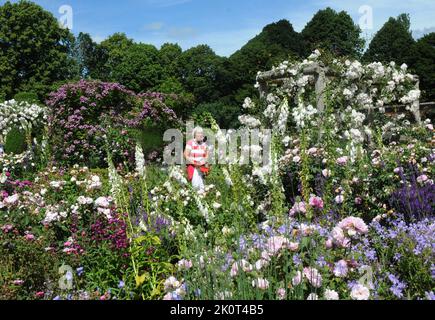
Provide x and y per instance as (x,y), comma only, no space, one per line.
(196,131)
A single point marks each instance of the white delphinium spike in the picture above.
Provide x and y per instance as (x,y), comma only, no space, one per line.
(115,181)
(227,176)
(140,160)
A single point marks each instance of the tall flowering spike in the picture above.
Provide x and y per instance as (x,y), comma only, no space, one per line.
(114,180)
(140,160)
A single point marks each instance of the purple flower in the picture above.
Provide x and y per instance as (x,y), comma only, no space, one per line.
(341,269)
(80,271)
(430,295)
(397,287)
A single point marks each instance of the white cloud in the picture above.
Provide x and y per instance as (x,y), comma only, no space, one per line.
(155,26)
(180,33)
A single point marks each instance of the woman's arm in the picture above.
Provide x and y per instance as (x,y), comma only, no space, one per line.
(187,156)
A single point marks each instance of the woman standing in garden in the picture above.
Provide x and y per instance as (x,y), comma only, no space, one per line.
(196,154)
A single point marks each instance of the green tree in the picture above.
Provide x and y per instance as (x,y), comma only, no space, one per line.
(202,73)
(138,68)
(112,51)
(169,55)
(333,31)
(393,42)
(276,43)
(423,64)
(34,49)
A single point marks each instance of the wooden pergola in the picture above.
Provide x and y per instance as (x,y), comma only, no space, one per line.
(321,75)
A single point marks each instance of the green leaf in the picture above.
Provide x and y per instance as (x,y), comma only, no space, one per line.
(141,279)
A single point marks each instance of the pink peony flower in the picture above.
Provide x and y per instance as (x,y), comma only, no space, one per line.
(281,294)
(260,264)
(316,202)
(275,244)
(7,228)
(18,282)
(326,173)
(422,179)
(339,238)
(260,283)
(293,246)
(299,207)
(353,226)
(342,161)
(313,276)
(12,200)
(234,270)
(29,237)
(297,279)
(185,264)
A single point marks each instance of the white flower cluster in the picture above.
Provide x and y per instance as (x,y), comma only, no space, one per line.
(248,104)
(271,109)
(53,214)
(21,115)
(354,70)
(249,121)
(303,114)
(94,183)
(283,117)
(178,175)
(411,97)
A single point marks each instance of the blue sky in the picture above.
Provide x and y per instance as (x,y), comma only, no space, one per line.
(225,25)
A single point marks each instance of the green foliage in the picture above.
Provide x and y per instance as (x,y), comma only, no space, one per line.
(333,31)
(112,50)
(277,42)
(151,139)
(16,142)
(138,68)
(393,42)
(169,56)
(202,73)
(423,64)
(89,56)
(225,114)
(30,97)
(34,49)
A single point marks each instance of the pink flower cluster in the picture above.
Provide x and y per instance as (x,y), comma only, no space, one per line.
(316,202)
(345,230)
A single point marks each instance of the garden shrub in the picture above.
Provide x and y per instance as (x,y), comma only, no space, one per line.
(29,97)
(15,142)
(90,117)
